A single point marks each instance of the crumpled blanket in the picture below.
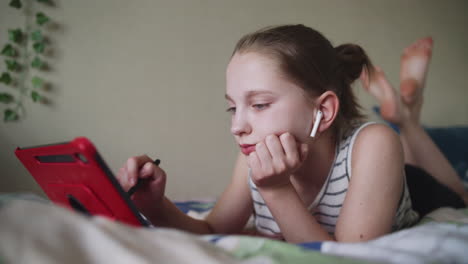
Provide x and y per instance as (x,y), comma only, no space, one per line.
(34,232)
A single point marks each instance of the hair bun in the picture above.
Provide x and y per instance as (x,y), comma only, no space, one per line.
(351,59)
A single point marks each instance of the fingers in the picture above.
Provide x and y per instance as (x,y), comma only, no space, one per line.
(264,151)
(135,167)
(276,155)
(304,152)
(291,149)
(151,178)
(147,170)
(123,179)
(253,161)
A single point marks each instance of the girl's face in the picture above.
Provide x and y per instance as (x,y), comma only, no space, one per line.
(263,101)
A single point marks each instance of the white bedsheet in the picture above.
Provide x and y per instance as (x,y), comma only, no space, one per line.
(34,232)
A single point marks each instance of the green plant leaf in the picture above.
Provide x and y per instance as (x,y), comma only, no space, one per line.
(16,4)
(41,18)
(36,36)
(5,78)
(6,98)
(37,82)
(35,96)
(15,35)
(8,50)
(10,115)
(37,63)
(39,47)
(12,65)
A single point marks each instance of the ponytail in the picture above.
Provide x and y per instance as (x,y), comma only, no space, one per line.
(350,62)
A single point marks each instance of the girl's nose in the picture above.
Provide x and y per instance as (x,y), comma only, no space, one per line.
(240,125)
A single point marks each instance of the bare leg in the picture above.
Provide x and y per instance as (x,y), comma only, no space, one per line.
(422,151)
(405,110)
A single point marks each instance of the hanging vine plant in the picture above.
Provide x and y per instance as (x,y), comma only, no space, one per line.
(24,50)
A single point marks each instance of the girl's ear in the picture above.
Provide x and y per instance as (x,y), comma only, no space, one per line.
(329,104)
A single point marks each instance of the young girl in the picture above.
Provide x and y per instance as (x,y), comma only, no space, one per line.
(345,183)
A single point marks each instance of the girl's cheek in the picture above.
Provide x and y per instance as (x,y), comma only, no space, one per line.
(278,123)
(277,128)
(299,130)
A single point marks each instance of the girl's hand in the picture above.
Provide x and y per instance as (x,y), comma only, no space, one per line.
(275,159)
(150,193)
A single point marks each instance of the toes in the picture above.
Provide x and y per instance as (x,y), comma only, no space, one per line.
(427,42)
(420,45)
(425,45)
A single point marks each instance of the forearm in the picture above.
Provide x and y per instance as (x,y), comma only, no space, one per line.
(296,222)
(168,215)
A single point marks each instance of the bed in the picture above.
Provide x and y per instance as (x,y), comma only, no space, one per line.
(33,230)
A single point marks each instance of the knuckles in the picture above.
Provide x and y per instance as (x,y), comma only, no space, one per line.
(280,167)
(285,137)
(271,139)
(133,159)
(293,162)
(160,172)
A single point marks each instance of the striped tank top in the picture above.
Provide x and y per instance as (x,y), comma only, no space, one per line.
(327,204)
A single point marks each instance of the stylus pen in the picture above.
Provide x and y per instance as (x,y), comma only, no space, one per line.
(140,181)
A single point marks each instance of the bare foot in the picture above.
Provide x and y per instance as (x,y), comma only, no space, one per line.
(404,109)
(414,65)
(378,86)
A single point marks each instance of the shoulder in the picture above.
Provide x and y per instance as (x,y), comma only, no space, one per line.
(377,139)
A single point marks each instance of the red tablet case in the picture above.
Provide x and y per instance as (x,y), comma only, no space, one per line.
(74,175)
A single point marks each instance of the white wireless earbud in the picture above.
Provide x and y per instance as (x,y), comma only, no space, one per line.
(318,118)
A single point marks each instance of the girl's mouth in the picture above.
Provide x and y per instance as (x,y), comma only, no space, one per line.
(247,149)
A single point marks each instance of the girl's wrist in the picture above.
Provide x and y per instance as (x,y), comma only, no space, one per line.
(277,191)
(156,211)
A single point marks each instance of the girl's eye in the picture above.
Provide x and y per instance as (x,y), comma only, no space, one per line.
(260,106)
(231,110)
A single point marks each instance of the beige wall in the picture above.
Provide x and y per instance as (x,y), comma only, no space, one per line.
(148,76)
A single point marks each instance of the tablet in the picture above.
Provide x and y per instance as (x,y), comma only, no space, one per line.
(74,175)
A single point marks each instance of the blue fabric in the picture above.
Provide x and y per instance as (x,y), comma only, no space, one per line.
(311,245)
(453,142)
(194,205)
